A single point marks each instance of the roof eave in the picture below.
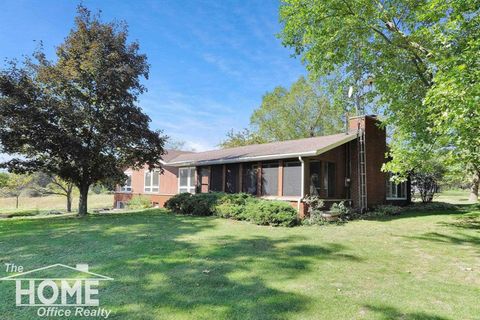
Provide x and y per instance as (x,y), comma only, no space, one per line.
(243,159)
(348,138)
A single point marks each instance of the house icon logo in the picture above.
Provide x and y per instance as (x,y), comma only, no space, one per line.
(56,287)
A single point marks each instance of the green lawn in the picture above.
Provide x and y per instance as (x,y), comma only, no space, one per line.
(453,196)
(416,266)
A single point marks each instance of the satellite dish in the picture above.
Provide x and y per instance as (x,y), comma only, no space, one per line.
(350,92)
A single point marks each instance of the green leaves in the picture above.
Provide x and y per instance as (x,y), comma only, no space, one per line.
(302,111)
(423,56)
(77,117)
(306,109)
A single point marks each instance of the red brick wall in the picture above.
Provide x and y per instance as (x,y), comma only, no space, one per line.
(156,199)
(375,150)
(168,183)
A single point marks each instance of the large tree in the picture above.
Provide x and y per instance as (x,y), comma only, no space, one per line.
(77,117)
(422,55)
(306,109)
(244,137)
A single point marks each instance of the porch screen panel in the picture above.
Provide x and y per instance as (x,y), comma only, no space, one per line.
(216,174)
(202,180)
(250,179)
(315,172)
(231,178)
(270,179)
(292,178)
(330,179)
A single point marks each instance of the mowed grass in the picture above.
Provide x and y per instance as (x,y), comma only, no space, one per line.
(454,196)
(53,202)
(416,266)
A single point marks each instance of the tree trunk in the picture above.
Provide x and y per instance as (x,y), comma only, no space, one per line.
(69,202)
(16,205)
(475,187)
(82,205)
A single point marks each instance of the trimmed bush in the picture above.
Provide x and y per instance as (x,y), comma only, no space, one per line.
(200,204)
(274,213)
(139,202)
(233,206)
(232,211)
(175,203)
(238,206)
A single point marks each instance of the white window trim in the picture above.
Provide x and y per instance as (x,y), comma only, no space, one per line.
(396,190)
(151,182)
(190,183)
(123,187)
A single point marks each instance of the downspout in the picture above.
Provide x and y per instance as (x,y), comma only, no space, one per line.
(302,192)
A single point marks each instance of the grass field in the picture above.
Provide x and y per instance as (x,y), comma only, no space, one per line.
(7,205)
(415,266)
(453,196)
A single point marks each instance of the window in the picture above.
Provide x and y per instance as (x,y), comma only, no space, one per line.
(396,191)
(127,186)
(186,180)
(329,179)
(152,179)
(270,179)
(250,178)
(292,178)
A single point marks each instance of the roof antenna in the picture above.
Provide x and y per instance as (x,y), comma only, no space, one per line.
(350,93)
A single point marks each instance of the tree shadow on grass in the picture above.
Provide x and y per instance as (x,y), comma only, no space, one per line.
(418,211)
(459,238)
(168,266)
(391,313)
(231,279)
(465,221)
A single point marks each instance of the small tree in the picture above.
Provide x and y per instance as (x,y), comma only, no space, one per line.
(15,185)
(3,179)
(59,187)
(77,117)
(426,180)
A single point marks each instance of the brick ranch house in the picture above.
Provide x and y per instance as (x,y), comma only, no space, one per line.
(340,167)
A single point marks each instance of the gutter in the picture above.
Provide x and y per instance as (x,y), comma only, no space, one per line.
(243,159)
(302,192)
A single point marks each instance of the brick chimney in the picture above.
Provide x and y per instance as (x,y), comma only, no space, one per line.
(362,122)
(375,149)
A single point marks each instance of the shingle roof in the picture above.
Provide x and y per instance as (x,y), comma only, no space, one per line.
(172,154)
(266,151)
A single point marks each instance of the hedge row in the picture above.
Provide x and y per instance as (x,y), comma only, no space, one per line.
(238,206)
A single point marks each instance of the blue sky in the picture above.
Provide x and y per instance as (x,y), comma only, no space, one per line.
(211,61)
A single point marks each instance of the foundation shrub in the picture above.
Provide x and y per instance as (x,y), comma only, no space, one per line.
(273,213)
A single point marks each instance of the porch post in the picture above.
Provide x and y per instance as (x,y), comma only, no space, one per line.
(259,179)
(240,177)
(224,173)
(302,193)
(280,178)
